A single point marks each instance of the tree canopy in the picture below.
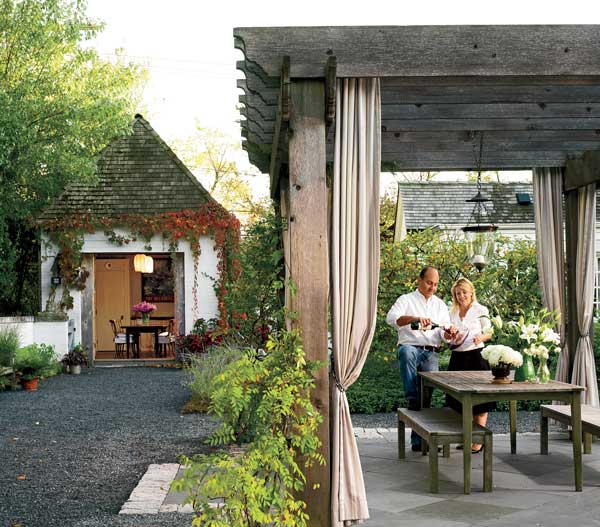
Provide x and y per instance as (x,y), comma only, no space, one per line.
(61,104)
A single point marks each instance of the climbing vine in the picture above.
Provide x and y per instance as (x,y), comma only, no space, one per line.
(67,233)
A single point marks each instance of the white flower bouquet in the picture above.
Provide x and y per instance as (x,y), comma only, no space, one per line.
(498,354)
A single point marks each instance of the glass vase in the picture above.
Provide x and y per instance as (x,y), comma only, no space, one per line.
(543,371)
(526,372)
(145,318)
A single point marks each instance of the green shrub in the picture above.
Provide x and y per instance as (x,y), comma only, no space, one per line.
(203,369)
(36,360)
(9,343)
(265,402)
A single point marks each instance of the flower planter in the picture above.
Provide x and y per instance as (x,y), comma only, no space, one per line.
(501,374)
(76,369)
(30,385)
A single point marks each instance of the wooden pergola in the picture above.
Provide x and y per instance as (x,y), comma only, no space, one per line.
(533,91)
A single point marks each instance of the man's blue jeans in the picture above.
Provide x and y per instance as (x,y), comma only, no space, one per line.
(413,359)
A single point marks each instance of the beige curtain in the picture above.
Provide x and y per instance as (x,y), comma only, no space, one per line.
(355,277)
(400,224)
(548,206)
(584,367)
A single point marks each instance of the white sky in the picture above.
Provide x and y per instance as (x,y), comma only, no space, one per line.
(187,45)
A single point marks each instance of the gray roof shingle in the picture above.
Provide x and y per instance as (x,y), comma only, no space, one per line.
(443,203)
(137,174)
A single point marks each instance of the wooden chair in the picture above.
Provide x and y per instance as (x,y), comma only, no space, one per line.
(166,341)
(120,340)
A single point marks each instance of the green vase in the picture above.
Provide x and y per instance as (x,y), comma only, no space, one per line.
(145,318)
(543,371)
(526,372)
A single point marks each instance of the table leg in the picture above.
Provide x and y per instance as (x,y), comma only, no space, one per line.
(576,424)
(513,426)
(127,337)
(156,343)
(467,422)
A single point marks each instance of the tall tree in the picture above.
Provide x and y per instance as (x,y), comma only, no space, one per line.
(61,104)
(213,157)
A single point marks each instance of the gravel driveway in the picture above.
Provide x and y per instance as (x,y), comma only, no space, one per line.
(71,453)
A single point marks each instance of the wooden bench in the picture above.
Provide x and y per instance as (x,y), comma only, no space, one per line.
(442,427)
(590,423)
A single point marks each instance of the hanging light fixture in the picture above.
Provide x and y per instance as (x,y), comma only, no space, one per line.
(143,263)
(479,231)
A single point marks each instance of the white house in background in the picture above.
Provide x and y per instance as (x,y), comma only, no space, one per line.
(137,175)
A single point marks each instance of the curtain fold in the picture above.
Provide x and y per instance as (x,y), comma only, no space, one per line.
(354,277)
(584,367)
(548,207)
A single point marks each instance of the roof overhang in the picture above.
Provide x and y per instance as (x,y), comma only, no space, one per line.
(534,91)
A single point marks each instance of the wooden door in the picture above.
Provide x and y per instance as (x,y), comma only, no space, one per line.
(112,298)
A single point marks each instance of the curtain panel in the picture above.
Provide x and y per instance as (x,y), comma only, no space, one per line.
(354,277)
(584,366)
(548,207)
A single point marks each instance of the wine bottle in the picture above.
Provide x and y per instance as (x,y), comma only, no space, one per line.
(416,325)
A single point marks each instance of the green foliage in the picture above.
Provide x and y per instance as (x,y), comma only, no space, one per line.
(508,286)
(202,371)
(36,360)
(267,403)
(61,104)
(256,300)
(9,344)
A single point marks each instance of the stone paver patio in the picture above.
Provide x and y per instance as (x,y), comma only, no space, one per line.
(529,489)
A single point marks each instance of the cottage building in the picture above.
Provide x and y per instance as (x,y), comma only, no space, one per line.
(141,187)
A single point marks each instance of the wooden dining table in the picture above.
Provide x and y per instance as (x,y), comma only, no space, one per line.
(135,329)
(475,387)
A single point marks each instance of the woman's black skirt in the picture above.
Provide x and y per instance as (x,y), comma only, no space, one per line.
(468,361)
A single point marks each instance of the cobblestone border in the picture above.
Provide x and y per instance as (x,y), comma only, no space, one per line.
(151,491)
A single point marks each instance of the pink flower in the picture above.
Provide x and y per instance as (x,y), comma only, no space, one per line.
(143,307)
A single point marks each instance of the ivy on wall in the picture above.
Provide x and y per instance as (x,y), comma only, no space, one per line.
(68,232)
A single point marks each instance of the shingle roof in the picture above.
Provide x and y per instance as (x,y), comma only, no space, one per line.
(443,203)
(137,174)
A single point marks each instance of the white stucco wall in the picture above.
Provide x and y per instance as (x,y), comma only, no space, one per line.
(97,243)
(33,331)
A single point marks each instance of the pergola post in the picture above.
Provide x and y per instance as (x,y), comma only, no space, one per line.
(309,268)
(571,229)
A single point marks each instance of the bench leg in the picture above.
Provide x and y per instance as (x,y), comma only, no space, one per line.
(488,451)
(587,443)
(446,450)
(544,435)
(401,439)
(433,465)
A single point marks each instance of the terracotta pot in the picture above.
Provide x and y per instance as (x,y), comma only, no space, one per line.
(30,385)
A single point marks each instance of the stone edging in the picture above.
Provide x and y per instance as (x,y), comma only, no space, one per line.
(151,491)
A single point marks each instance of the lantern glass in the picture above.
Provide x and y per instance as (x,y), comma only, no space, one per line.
(148,264)
(139,263)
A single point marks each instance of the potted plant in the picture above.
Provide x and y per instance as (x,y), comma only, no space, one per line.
(74,360)
(144,309)
(34,362)
(9,344)
(501,359)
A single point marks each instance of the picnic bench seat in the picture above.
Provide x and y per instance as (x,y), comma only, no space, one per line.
(442,427)
(590,423)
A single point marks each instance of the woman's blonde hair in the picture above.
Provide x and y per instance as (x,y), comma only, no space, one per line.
(465,283)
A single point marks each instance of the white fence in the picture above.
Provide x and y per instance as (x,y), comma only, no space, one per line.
(34,331)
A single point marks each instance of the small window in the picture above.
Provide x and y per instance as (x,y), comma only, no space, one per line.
(523,198)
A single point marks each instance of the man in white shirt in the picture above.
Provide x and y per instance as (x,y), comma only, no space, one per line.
(418,349)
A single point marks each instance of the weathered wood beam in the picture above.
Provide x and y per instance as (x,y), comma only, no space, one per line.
(571,228)
(581,172)
(576,123)
(88,308)
(281,123)
(309,264)
(426,51)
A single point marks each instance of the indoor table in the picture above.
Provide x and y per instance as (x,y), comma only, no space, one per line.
(135,330)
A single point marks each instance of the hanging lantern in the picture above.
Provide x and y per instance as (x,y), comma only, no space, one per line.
(143,263)
(139,262)
(148,265)
(479,231)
